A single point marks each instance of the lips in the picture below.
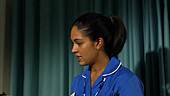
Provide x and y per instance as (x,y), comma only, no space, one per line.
(79,58)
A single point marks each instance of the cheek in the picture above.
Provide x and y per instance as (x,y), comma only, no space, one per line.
(91,57)
(89,52)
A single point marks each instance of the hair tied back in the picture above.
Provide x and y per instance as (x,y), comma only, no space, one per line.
(119,34)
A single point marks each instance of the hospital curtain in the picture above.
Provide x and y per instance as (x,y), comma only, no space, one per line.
(42,62)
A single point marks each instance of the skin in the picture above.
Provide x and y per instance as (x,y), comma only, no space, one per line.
(91,53)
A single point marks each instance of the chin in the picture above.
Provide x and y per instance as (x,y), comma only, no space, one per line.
(82,64)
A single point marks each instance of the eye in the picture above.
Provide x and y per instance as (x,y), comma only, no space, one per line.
(79,44)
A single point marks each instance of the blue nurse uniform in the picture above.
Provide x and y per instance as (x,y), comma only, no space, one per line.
(116,80)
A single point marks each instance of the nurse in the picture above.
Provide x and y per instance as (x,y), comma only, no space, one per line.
(97,40)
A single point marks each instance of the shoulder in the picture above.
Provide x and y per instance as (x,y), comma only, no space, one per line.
(128,83)
(77,83)
(77,79)
(125,73)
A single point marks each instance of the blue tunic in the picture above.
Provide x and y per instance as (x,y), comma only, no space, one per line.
(116,80)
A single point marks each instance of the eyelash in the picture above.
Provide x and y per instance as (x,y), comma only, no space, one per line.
(79,44)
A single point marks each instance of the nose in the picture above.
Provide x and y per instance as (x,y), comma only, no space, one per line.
(74,49)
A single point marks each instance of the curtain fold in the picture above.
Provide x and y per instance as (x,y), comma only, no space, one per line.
(42,62)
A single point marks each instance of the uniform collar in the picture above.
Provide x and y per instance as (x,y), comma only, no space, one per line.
(111,68)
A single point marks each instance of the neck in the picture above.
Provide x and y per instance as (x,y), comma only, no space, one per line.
(100,65)
(98,68)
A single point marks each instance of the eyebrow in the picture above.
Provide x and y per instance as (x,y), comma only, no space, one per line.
(76,40)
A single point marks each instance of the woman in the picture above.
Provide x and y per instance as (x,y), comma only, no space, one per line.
(97,40)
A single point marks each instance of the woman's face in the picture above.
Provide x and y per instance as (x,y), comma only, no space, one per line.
(84,49)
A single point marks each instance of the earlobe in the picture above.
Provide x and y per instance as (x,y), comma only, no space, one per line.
(99,43)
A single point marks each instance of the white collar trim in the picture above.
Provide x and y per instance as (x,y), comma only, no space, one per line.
(111,72)
(83,76)
(114,70)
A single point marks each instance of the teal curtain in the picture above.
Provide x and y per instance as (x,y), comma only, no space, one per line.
(42,62)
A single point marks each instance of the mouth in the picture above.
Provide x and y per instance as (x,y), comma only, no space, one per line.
(79,58)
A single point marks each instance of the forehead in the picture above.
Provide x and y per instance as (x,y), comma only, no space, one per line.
(76,33)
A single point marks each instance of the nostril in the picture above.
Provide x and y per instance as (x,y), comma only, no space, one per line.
(73,51)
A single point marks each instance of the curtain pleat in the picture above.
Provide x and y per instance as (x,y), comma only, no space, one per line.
(31,47)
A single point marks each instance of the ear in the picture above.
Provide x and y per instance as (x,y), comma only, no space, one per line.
(99,43)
